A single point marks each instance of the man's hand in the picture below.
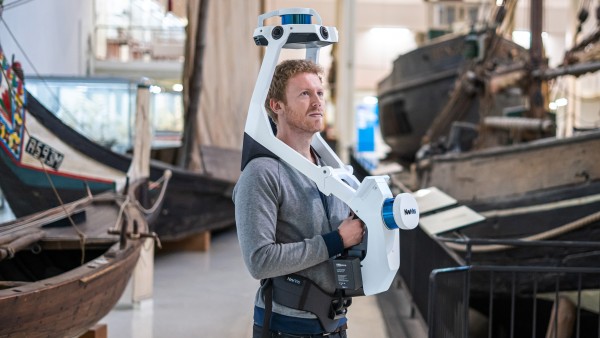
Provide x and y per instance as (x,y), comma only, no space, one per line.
(351,230)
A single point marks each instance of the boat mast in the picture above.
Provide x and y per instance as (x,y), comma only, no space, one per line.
(189,153)
(536,98)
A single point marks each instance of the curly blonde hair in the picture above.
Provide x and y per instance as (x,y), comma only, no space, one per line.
(285,71)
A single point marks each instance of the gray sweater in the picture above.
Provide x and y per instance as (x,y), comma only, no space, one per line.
(283,227)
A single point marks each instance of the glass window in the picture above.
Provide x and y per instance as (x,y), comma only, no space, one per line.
(104,109)
(138,30)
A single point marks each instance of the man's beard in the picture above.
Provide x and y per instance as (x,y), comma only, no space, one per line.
(303,122)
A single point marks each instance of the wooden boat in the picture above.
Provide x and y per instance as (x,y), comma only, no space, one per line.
(536,172)
(63,269)
(561,231)
(496,164)
(414,94)
(528,184)
(488,120)
(42,157)
(536,195)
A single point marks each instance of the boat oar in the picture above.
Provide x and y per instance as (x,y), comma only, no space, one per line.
(20,241)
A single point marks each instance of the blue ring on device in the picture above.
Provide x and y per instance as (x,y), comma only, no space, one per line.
(387,213)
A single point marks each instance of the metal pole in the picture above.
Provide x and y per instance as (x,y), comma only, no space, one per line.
(536,98)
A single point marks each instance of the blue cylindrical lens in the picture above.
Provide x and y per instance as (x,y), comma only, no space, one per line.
(387,213)
(293,19)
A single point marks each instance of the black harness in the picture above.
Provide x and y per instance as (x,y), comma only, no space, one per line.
(301,293)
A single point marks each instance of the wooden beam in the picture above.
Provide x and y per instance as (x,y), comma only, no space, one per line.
(199,242)
(97,331)
(562,319)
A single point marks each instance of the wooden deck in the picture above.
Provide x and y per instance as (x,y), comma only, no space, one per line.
(93,222)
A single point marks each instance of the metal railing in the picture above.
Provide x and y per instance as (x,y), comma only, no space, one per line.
(521,312)
(461,298)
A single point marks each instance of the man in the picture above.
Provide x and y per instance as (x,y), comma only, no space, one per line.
(286,226)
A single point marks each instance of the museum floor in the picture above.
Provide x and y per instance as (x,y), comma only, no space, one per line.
(210,294)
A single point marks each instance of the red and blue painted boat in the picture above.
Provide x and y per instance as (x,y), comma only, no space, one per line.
(44,162)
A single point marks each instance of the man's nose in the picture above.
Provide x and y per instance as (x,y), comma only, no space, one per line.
(317,101)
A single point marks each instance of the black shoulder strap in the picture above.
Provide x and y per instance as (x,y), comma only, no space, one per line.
(252,149)
(268,292)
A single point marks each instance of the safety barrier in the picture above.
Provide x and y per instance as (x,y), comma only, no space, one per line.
(458,297)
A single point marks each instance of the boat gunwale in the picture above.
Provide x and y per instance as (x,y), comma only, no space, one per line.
(549,142)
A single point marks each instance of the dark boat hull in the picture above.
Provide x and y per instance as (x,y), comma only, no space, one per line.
(420,86)
(535,232)
(416,90)
(558,184)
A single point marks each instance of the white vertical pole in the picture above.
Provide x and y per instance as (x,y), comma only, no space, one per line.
(344,113)
(142,286)
(140,164)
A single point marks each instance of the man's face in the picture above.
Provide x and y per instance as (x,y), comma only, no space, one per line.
(303,112)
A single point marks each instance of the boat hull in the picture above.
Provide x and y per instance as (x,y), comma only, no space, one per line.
(504,177)
(69,304)
(59,285)
(193,202)
(422,84)
(413,94)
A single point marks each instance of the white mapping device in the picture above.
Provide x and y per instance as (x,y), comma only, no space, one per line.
(372,201)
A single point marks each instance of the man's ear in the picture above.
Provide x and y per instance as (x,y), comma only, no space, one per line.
(275,105)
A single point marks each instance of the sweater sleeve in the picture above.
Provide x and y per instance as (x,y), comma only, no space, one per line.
(257,199)
(335,244)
